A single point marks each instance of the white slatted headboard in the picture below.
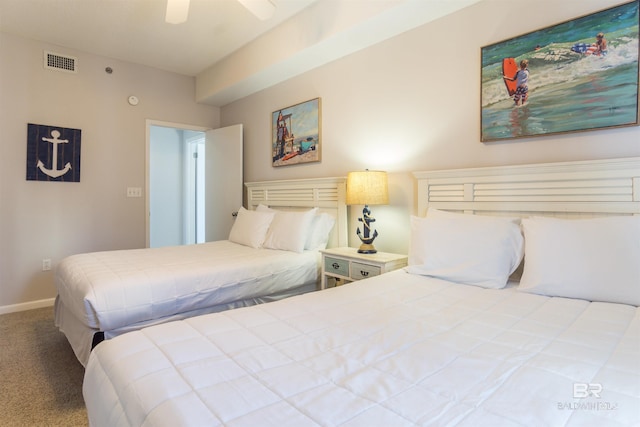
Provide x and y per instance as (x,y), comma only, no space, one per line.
(327,194)
(567,189)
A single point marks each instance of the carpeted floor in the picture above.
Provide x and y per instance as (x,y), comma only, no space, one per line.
(40,377)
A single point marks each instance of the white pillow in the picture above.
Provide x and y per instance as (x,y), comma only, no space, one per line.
(250,227)
(593,259)
(472,250)
(289,230)
(321,227)
(319,231)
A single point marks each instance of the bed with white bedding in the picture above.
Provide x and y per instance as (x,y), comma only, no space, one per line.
(271,254)
(450,340)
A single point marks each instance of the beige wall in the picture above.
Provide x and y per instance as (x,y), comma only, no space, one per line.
(54,219)
(412,103)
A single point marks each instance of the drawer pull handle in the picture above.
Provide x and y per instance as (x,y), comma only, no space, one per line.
(335,265)
(364,273)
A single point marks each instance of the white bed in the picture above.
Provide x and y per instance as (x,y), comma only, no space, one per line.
(412,349)
(105,294)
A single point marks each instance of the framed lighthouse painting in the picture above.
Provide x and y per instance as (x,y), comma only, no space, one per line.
(53,153)
(295,134)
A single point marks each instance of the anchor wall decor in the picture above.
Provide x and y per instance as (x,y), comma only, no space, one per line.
(53,153)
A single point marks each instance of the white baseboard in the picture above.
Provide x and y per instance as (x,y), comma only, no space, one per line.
(27,306)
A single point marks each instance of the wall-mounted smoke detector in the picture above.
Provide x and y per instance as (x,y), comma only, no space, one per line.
(56,61)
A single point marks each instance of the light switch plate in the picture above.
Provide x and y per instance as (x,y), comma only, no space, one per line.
(134,192)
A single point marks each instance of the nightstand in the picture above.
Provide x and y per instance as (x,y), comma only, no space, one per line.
(348,265)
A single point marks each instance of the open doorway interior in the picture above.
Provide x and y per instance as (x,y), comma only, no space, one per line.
(176,186)
(192,197)
(195,192)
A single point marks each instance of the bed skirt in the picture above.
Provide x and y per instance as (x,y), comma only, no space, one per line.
(83,338)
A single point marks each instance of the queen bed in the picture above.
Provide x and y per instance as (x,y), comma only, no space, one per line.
(270,254)
(456,338)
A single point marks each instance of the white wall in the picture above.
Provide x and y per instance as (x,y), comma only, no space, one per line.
(166,182)
(55,219)
(413,103)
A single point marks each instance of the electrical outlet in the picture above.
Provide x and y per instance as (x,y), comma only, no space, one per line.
(134,192)
(46,264)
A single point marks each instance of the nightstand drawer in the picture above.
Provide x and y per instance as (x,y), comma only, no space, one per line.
(346,264)
(362,271)
(336,266)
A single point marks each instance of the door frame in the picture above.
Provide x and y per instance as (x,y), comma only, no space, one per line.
(192,208)
(147,183)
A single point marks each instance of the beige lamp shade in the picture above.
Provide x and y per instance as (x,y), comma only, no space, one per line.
(367,188)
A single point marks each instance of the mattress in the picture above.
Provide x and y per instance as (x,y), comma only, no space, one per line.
(397,349)
(115,290)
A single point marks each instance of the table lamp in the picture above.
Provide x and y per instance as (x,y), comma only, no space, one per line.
(367,188)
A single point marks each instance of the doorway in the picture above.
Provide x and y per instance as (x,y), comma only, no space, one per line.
(175,185)
(194,183)
(194,157)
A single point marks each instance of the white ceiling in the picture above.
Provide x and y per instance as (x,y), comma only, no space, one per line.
(217,33)
(135,30)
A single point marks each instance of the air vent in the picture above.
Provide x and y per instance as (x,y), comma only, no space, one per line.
(55,61)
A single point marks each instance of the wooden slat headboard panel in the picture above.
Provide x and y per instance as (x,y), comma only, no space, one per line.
(567,189)
(327,194)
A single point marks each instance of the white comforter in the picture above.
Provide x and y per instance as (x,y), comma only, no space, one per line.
(394,350)
(112,289)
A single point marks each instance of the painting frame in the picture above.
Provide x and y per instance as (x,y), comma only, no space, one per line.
(573,84)
(296,134)
(53,153)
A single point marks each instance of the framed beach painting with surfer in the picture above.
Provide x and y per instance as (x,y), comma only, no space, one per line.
(578,75)
(295,134)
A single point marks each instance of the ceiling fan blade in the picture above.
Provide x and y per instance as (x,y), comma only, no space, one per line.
(262,9)
(177,11)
